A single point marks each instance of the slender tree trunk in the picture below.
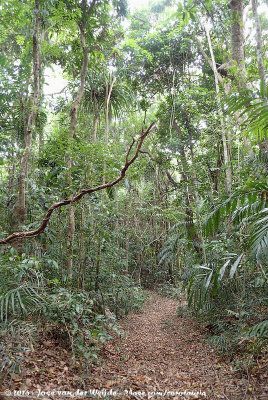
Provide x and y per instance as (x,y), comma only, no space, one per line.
(259,42)
(95,129)
(226,151)
(92,223)
(43,37)
(73,126)
(97,113)
(263,145)
(81,277)
(139,263)
(96,118)
(127,251)
(98,261)
(109,88)
(192,235)
(197,201)
(20,211)
(11,179)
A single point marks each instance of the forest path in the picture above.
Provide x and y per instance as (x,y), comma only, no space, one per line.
(158,353)
(161,352)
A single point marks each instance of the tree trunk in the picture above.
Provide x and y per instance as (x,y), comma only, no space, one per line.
(73,126)
(82,255)
(20,210)
(127,251)
(97,277)
(11,180)
(259,42)
(237,32)
(190,227)
(226,151)
(238,54)
(43,37)
(197,201)
(95,128)
(109,88)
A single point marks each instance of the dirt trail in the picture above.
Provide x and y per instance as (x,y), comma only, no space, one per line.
(158,355)
(163,353)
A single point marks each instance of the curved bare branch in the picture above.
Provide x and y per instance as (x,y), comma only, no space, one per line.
(78,196)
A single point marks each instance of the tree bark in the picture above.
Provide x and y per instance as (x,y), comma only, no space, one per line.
(96,119)
(11,180)
(20,210)
(127,251)
(237,32)
(263,145)
(226,151)
(43,37)
(98,261)
(197,202)
(190,227)
(73,126)
(259,42)
(109,88)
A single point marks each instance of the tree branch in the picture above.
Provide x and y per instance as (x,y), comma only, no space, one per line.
(171,180)
(206,57)
(78,196)
(148,154)
(130,148)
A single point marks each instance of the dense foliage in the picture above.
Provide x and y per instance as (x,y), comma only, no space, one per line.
(191,211)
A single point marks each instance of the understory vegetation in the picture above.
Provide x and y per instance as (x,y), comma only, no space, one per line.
(133,157)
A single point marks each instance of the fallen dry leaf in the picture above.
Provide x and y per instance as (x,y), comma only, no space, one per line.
(146,358)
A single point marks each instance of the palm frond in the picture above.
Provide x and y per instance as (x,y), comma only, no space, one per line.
(259,330)
(243,202)
(259,237)
(253,108)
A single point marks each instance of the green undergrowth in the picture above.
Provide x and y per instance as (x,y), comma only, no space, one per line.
(172,291)
(79,319)
(232,317)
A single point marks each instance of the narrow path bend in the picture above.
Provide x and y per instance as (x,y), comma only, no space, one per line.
(161,352)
